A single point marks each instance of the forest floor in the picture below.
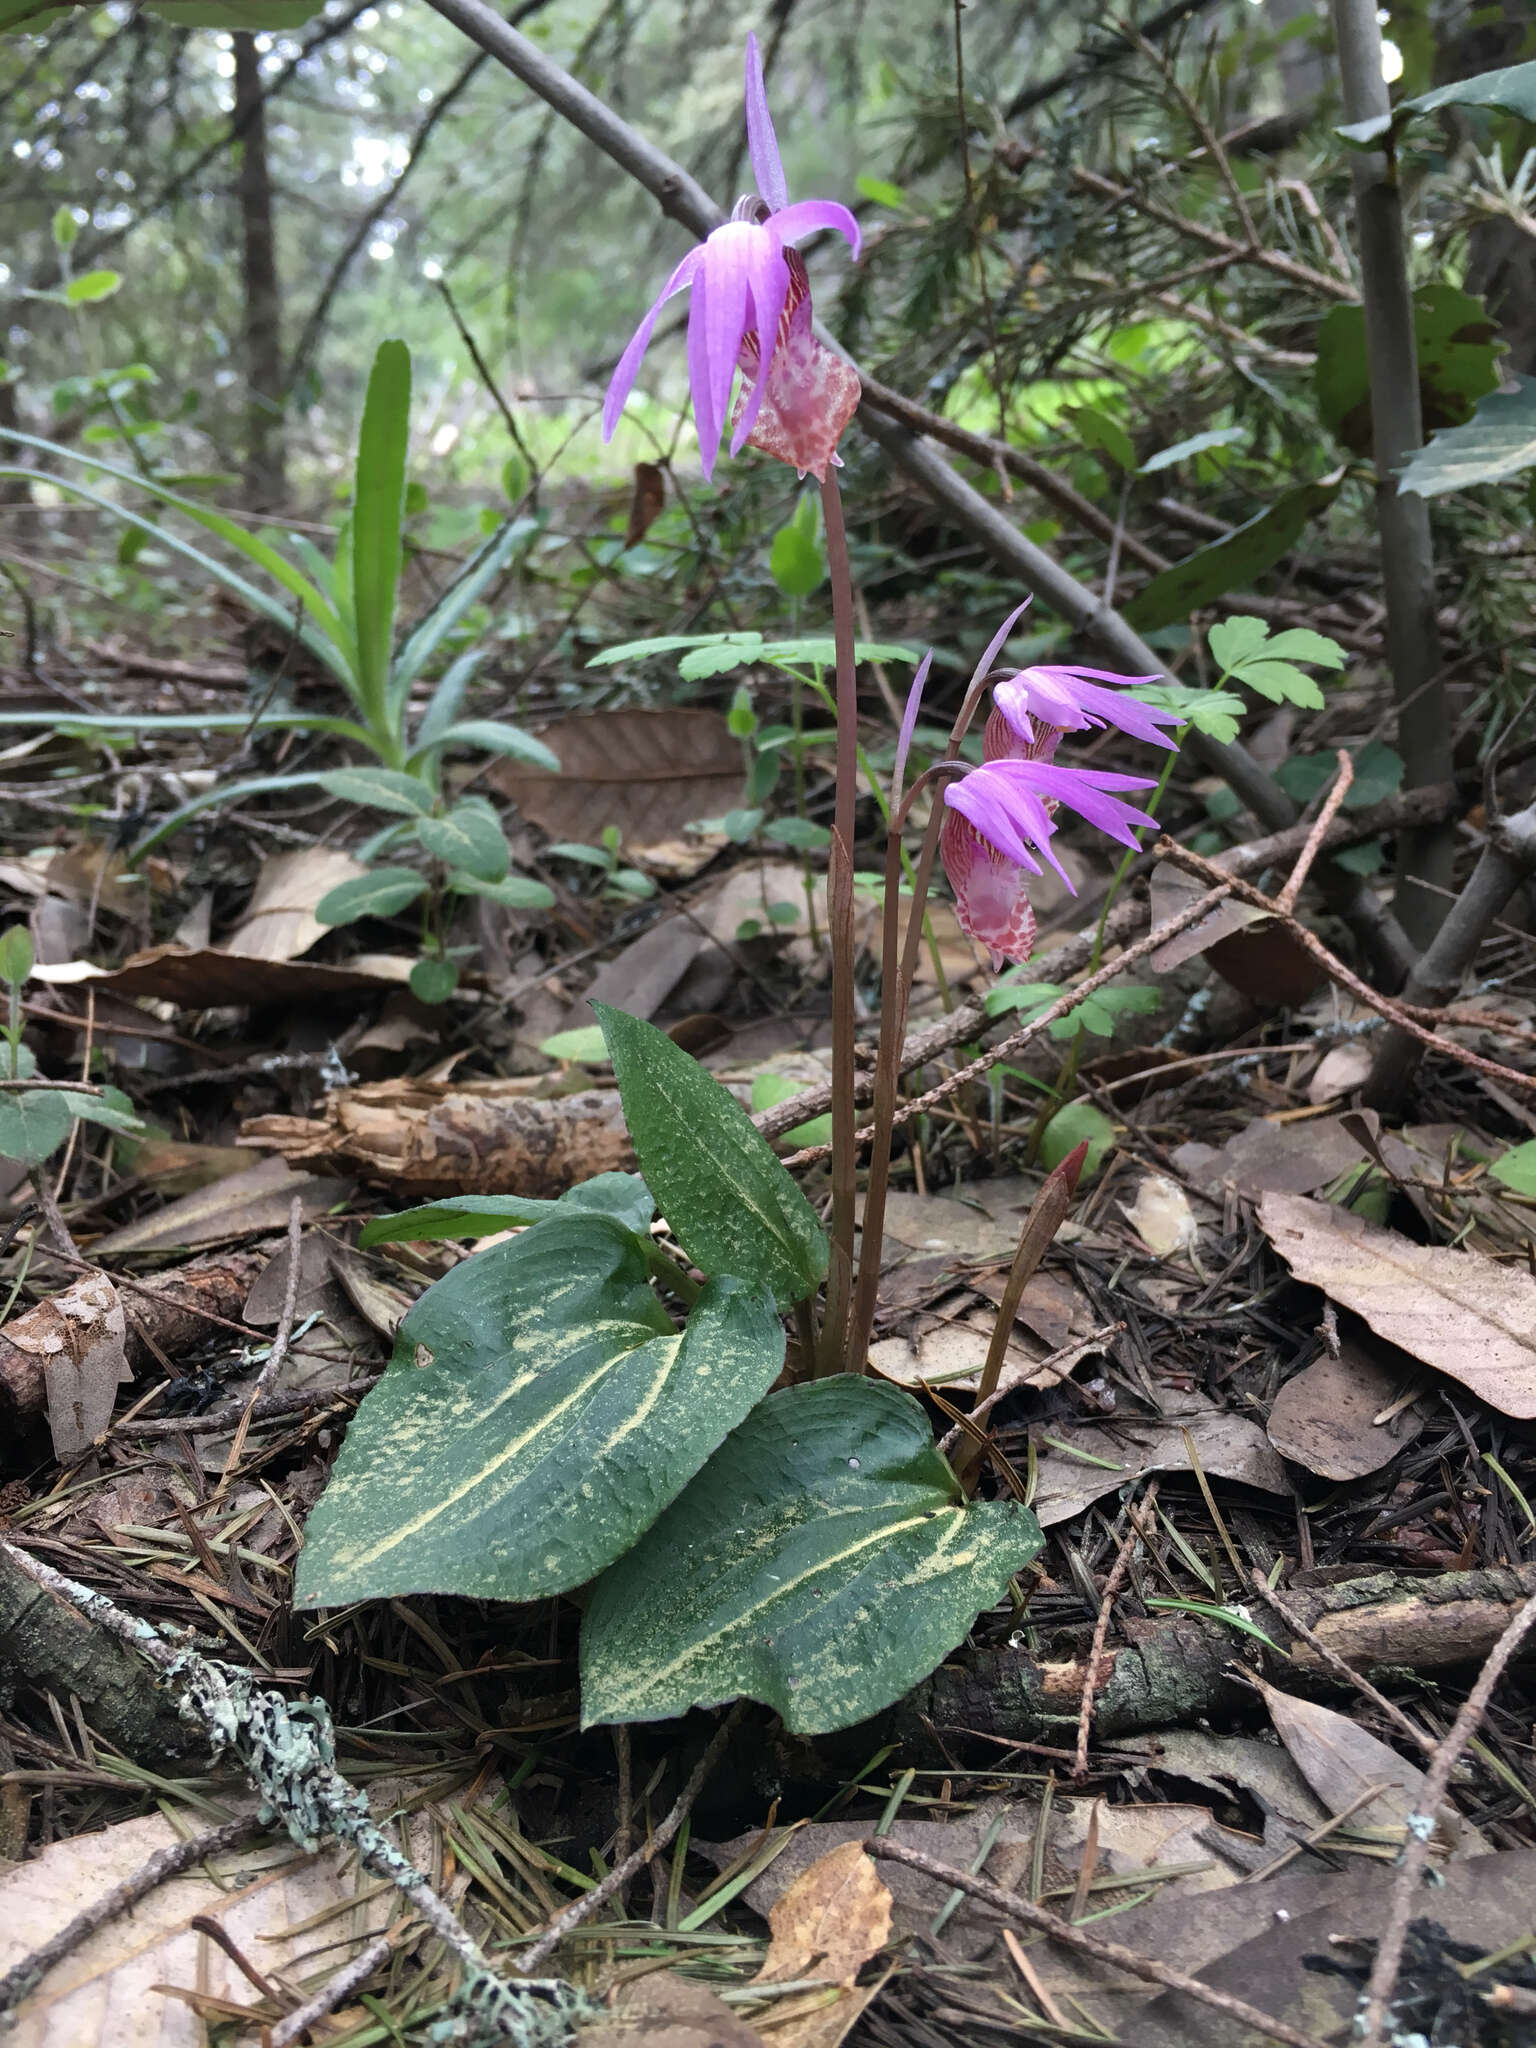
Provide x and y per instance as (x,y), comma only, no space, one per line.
(1283,1441)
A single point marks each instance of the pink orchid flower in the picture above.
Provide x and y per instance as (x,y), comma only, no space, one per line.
(747,283)
(999,819)
(1037,705)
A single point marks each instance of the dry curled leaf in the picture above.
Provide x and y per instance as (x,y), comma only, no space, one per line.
(1161,1216)
(1340,1760)
(77,1337)
(1467,1316)
(279,921)
(645,507)
(1079,1463)
(832,1919)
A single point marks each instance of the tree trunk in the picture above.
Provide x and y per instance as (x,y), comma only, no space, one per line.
(266,484)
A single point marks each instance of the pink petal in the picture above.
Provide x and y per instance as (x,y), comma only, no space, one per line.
(623,380)
(990,893)
(909,726)
(995,644)
(1097,675)
(762,143)
(706,421)
(769,283)
(1012,820)
(791,222)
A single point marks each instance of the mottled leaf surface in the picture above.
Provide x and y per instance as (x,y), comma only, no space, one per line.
(733,1206)
(559,1414)
(623,1196)
(823,1562)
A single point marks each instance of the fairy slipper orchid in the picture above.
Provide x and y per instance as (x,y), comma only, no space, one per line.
(747,283)
(1037,705)
(1000,816)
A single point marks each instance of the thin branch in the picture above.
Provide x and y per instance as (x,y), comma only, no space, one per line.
(970,1020)
(1028,1914)
(583,1908)
(1112,1585)
(23,1977)
(1421,1827)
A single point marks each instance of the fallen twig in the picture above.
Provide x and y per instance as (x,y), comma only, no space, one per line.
(1421,1827)
(1346,978)
(1336,1664)
(583,1908)
(274,1359)
(346,1980)
(1112,1585)
(1314,846)
(970,1020)
(1042,1021)
(1029,1914)
(287,1752)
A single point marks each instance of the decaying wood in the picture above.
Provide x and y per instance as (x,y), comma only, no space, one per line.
(425,1138)
(1169,1672)
(167,1314)
(48,1644)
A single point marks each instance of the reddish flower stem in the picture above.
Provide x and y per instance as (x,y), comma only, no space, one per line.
(895,996)
(834,1328)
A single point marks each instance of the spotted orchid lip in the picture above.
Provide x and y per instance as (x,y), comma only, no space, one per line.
(742,283)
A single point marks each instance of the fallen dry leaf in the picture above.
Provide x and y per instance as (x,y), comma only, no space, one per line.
(1324,1417)
(1258,1943)
(830,1921)
(211,979)
(1339,1759)
(648,772)
(949,1354)
(1340,1072)
(1228,1446)
(279,921)
(238,1206)
(1467,1316)
(1161,1216)
(1289,1159)
(1173,890)
(105,1991)
(78,1338)
(1175,1838)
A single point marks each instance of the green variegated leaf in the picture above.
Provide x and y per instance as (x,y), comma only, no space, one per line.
(559,1413)
(380,893)
(624,1196)
(731,1204)
(468,838)
(381,789)
(823,1561)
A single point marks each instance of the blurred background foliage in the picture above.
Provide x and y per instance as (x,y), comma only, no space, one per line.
(1114,251)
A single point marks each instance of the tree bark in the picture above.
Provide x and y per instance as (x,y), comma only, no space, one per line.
(1169,1672)
(266,482)
(1425,859)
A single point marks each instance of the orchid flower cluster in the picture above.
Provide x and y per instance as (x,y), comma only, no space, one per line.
(794,402)
(999,820)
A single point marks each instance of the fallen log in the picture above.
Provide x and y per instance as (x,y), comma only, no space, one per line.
(1169,1672)
(428,1138)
